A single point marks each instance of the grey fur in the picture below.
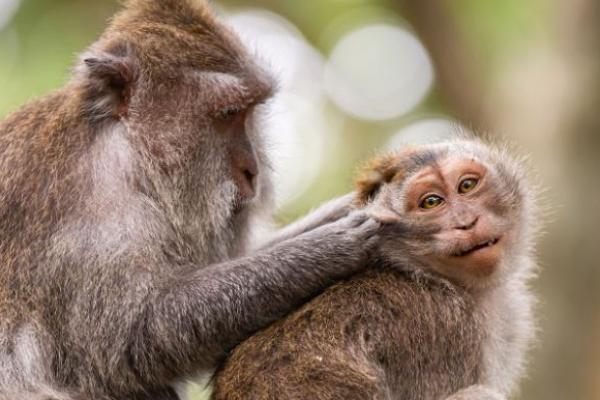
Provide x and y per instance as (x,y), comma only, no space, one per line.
(123,239)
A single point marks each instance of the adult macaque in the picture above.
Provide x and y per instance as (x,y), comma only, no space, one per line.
(127,200)
(444,314)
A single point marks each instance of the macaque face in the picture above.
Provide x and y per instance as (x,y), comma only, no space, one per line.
(235,124)
(460,209)
(204,123)
(457,196)
(192,117)
(210,151)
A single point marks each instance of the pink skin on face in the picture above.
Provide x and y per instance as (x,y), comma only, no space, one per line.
(471,234)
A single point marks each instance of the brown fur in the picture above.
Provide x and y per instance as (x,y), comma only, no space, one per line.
(374,174)
(404,330)
(344,344)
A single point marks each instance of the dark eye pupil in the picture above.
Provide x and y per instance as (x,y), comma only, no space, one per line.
(468,185)
(431,202)
(228,113)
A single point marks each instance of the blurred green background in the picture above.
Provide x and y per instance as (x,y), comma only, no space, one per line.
(361,76)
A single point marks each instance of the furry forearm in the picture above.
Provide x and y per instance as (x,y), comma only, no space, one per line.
(196,319)
(329,212)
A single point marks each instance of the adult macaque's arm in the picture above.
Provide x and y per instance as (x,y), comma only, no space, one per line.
(331,211)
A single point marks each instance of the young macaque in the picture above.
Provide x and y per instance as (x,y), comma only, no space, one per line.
(445,313)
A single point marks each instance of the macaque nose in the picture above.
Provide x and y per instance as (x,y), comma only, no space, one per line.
(245,170)
(465,226)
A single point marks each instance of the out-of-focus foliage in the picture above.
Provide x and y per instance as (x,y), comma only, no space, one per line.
(528,70)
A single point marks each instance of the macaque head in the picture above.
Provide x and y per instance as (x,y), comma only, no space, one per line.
(182,97)
(461,209)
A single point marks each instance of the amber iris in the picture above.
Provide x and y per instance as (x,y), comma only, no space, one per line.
(430,202)
(466,185)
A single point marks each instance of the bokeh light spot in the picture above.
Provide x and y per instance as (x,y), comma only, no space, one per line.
(425,131)
(378,72)
(297,125)
(8,9)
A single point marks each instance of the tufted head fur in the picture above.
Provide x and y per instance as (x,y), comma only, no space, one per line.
(501,207)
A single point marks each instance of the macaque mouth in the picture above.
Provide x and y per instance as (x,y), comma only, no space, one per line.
(480,246)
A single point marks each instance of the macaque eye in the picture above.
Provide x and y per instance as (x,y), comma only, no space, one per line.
(467,185)
(228,114)
(431,202)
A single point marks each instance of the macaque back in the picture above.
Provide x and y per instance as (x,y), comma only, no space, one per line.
(342,345)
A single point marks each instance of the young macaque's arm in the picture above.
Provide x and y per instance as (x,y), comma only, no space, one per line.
(331,211)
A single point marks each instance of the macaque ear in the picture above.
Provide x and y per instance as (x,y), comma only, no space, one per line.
(374,175)
(109,79)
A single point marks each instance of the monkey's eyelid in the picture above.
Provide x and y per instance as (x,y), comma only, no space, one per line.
(239,105)
(229,112)
(235,92)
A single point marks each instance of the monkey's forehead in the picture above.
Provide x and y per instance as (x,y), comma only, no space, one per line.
(510,171)
(403,165)
(415,158)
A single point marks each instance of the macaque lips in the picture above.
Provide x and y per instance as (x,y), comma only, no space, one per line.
(481,246)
